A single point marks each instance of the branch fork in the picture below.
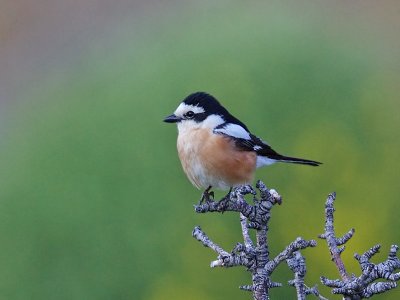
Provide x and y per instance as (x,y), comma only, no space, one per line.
(255,256)
(364,286)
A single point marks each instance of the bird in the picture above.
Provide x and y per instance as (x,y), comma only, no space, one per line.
(216,149)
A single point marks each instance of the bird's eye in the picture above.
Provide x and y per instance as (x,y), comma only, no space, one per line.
(189,115)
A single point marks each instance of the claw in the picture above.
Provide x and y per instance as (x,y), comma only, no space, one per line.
(207,196)
(228,196)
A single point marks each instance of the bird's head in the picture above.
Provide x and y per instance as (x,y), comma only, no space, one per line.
(199,110)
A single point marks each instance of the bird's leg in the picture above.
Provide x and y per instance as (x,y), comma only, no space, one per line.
(207,196)
(223,203)
(228,196)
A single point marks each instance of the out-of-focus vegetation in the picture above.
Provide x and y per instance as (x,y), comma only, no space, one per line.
(93,202)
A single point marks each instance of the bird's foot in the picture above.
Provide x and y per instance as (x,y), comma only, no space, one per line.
(207,196)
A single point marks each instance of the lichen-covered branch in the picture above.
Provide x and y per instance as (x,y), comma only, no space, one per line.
(297,264)
(331,239)
(255,256)
(238,256)
(364,286)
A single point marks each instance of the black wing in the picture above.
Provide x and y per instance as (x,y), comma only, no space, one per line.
(254,143)
(257,145)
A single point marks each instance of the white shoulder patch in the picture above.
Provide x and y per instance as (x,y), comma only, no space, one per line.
(212,121)
(234,130)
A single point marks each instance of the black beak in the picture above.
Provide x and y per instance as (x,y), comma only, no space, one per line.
(172,119)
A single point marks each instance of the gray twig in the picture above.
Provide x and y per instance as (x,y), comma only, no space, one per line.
(364,286)
(297,264)
(332,240)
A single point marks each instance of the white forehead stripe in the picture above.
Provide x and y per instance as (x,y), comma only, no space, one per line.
(234,130)
(184,108)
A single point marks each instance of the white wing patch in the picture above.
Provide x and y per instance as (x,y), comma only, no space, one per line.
(234,130)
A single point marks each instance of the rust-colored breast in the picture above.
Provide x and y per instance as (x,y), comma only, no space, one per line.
(222,157)
(213,159)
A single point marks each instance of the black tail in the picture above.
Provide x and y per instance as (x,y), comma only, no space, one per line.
(298,161)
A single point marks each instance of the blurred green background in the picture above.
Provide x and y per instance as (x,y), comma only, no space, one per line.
(93,201)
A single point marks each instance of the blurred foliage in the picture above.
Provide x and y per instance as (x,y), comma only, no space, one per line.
(94,204)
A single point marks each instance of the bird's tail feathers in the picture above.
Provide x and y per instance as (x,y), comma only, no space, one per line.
(295,160)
